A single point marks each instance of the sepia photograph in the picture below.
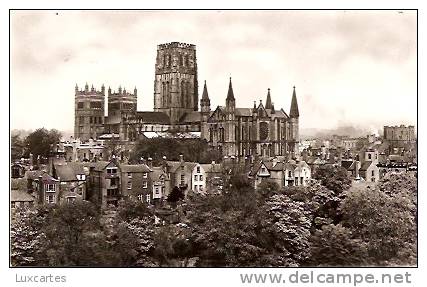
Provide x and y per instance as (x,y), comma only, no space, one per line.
(213,138)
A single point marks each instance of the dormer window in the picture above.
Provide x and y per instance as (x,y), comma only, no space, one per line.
(111,170)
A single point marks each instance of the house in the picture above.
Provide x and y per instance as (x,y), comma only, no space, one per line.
(21,198)
(369,170)
(43,186)
(180,173)
(17,170)
(213,176)
(291,173)
(161,185)
(136,181)
(198,179)
(72,180)
(104,184)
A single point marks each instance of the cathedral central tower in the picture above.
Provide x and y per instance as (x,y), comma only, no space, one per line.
(175,84)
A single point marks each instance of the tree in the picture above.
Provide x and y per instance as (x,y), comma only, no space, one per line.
(26,237)
(335,245)
(321,203)
(334,178)
(386,223)
(176,195)
(17,147)
(73,236)
(241,228)
(268,187)
(40,142)
(195,150)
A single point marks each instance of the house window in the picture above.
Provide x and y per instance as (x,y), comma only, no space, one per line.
(113,181)
(198,169)
(263,170)
(50,198)
(145,175)
(373,173)
(156,190)
(129,185)
(12,204)
(144,184)
(50,187)
(369,156)
(71,199)
(140,197)
(195,187)
(289,173)
(81,177)
(182,179)
(200,177)
(147,198)
(129,175)
(112,192)
(201,187)
(112,170)
(195,177)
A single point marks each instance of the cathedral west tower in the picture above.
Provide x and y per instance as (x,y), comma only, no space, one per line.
(175,84)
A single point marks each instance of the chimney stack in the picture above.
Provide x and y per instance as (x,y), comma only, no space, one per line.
(181,158)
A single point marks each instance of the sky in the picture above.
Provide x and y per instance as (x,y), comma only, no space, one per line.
(350,68)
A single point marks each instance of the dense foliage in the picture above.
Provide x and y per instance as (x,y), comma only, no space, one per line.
(194,150)
(239,226)
(40,142)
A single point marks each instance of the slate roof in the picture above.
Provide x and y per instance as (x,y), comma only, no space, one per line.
(346,164)
(35,174)
(191,117)
(365,165)
(134,168)
(211,168)
(156,173)
(69,171)
(20,195)
(153,117)
(176,164)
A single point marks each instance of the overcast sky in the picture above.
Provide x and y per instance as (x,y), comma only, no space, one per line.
(349,67)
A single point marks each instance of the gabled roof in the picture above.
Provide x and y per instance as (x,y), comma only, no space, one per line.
(153,117)
(68,172)
(135,168)
(244,112)
(35,175)
(176,164)
(346,164)
(156,173)
(20,195)
(365,166)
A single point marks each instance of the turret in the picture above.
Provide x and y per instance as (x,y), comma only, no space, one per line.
(135,92)
(294,112)
(120,89)
(103,89)
(205,103)
(109,91)
(76,89)
(230,101)
(268,101)
(86,88)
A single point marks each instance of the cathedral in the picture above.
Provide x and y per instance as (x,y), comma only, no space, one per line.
(261,130)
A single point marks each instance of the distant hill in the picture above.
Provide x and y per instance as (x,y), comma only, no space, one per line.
(327,133)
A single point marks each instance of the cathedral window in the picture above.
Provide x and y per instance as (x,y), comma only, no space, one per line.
(187,61)
(80,105)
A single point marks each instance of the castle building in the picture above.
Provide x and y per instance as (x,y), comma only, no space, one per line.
(261,130)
